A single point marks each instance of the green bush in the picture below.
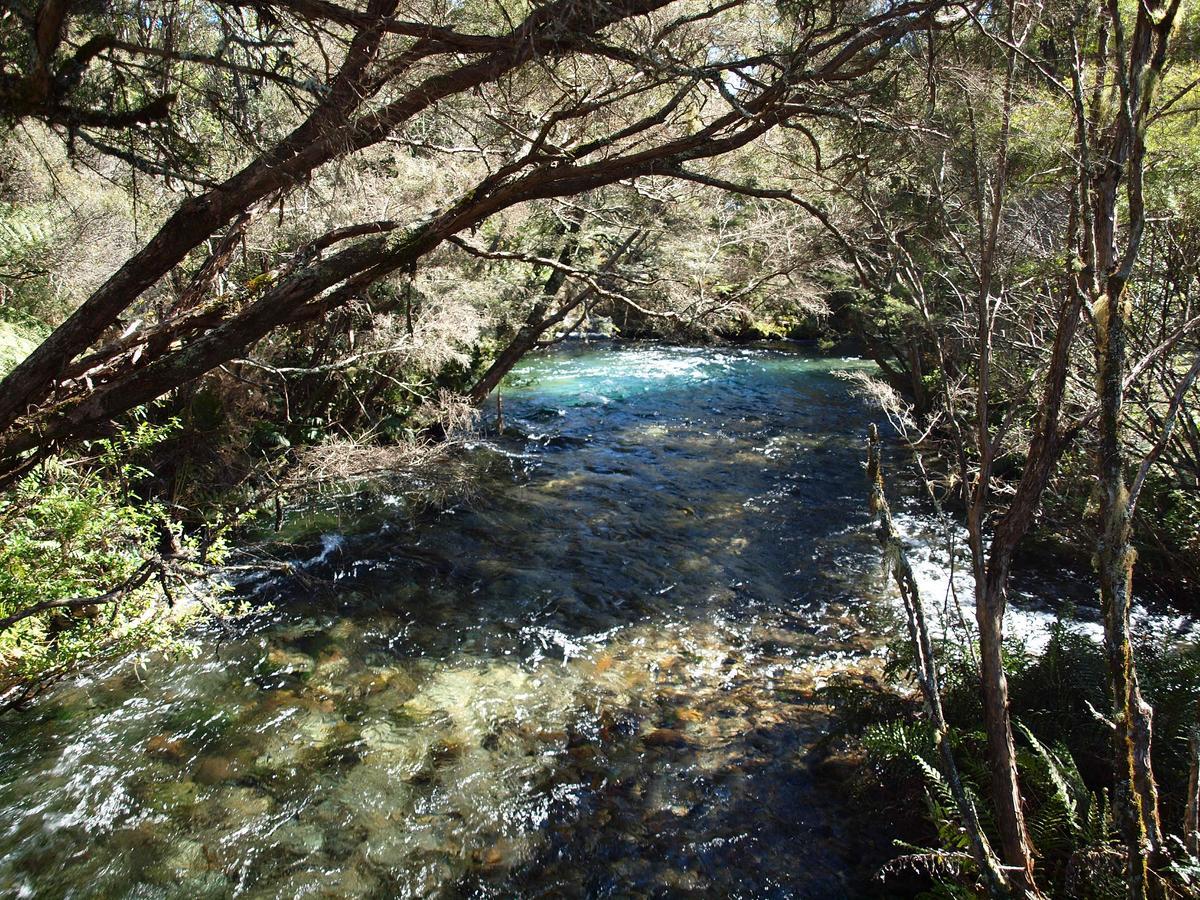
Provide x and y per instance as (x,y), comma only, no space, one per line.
(76,530)
(1064,752)
(16,342)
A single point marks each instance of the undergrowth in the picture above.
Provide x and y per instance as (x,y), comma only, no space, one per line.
(78,530)
(1058,698)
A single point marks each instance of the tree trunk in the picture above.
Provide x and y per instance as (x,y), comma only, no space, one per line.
(1134,789)
(1191,816)
(996,881)
(536,322)
(990,600)
(525,341)
(328,133)
(1139,63)
(1002,751)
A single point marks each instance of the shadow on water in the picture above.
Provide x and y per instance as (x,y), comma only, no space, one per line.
(596,678)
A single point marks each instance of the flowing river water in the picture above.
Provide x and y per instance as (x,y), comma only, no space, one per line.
(595,676)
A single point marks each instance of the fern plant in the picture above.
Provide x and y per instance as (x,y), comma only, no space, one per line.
(30,241)
(1063,757)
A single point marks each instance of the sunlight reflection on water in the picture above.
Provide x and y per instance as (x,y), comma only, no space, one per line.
(594,677)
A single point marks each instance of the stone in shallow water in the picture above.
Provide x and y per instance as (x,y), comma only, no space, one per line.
(500,854)
(298,630)
(297,738)
(289,662)
(389,848)
(411,872)
(280,755)
(384,737)
(166,746)
(137,839)
(369,795)
(344,630)
(320,883)
(183,857)
(665,737)
(280,699)
(317,727)
(245,802)
(216,769)
(299,838)
(329,675)
(390,694)
(367,685)
(475,700)
(171,797)
(199,886)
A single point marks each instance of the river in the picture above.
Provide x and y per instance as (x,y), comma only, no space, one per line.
(593,674)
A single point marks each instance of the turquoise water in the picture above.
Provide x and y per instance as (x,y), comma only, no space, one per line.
(593,674)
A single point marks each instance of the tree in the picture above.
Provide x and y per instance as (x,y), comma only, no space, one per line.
(966,241)
(637,92)
(1110,157)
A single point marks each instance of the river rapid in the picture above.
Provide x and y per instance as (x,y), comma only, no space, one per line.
(594,674)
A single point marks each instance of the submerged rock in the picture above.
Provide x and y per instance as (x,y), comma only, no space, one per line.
(166,746)
(245,802)
(280,699)
(390,848)
(476,701)
(299,838)
(317,726)
(297,736)
(344,630)
(406,754)
(329,675)
(369,795)
(328,884)
(186,865)
(171,797)
(386,688)
(289,662)
(501,854)
(298,630)
(216,769)
(665,737)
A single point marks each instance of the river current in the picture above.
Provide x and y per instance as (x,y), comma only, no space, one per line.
(595,673)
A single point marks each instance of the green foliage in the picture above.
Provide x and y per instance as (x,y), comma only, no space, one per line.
(24,234)
(1063,756)
(1068,815)
(74,531)
(1168,526)
(16,342)
(27,238)
(1174,181)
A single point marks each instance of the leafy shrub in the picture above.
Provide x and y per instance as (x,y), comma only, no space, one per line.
(1057,697)
(16,342)
(79,531)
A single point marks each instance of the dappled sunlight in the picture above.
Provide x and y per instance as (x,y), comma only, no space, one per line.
(599,670)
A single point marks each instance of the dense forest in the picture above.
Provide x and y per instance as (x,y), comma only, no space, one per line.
(260,256)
